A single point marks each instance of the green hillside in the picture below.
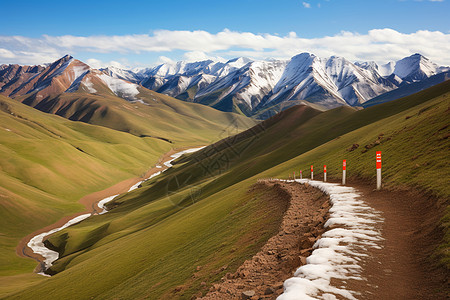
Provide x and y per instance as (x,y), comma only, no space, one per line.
(47,163)
(160,116)
(200,220)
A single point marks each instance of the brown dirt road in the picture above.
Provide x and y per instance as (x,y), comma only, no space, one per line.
(402,269)
(90,204)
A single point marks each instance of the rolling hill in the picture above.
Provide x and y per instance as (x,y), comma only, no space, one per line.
(71,89)
(48,163)
(182,231)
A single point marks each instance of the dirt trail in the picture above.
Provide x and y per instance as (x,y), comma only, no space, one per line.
(265,273)
(90,204)
(402,269)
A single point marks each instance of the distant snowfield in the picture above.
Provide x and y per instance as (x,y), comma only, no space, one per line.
(338,253)
(36,243)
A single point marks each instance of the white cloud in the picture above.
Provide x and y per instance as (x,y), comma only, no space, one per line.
(306,5)
(380,45)
(95,63)
(4,53)
(164,60)
(199,56)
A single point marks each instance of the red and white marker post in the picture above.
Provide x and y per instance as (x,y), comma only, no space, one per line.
(294,175)
(301,175)
(325,173)
(344,170)
(378,160)
(312,172)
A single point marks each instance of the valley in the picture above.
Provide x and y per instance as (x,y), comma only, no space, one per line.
(72,136)
(184,230)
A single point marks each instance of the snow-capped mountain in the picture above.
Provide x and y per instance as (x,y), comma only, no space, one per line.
(250,86)
(241,84)
(66,75)
(415,68)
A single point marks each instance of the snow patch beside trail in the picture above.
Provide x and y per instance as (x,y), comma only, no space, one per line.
(339,251)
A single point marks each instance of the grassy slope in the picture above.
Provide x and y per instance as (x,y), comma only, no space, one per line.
(48,163)
(163,116)
(196,213)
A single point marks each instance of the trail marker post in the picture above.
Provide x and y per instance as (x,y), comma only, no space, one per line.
(325,173)
(301,175)
(294,175)
(312,172)
(378,161)
(344,170)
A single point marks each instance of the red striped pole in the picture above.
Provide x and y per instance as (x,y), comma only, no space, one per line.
(344,170)
(378,162)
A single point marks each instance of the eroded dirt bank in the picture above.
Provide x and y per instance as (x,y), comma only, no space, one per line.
(262,277)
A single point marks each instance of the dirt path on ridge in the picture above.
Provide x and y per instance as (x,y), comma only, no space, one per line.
(283,253)
(401,270)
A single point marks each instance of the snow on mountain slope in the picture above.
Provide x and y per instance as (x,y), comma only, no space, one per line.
(328,82)
(415,68)
(387,69)
(120,87)
(128,75)
(68,75)
(240,84)
(256,85)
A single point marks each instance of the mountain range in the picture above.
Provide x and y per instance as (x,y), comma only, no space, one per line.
(253,88)
(250,87)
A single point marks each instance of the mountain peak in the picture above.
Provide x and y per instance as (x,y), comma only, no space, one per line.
(415,67)
(239,62)
(303,55)
(65,58)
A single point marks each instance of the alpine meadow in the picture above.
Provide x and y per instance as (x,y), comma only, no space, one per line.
(248,150)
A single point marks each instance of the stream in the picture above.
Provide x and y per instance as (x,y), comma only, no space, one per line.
(36,243)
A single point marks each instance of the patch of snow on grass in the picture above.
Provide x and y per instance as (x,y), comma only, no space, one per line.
(179,154)
(101,203)
(338,252)
(37,242)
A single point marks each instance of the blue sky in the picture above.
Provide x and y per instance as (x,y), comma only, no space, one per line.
(150,32)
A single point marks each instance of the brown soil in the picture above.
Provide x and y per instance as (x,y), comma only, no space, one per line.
(90,204)
(402,269)
(265,273)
